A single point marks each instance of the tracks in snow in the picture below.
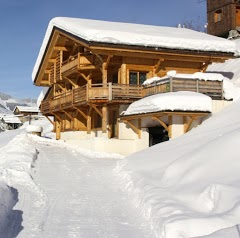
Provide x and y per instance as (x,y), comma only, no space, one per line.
(83,197)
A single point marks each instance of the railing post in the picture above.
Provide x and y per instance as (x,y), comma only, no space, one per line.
(171,84)
(87,92)
(110,96)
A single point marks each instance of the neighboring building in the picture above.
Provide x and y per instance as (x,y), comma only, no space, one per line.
(9,122)
(95,70)
(26,113)
(223,16)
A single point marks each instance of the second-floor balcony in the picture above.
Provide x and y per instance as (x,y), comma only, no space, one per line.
(95,93)
(125,93)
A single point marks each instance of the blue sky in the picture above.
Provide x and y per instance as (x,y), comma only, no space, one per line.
(23,24)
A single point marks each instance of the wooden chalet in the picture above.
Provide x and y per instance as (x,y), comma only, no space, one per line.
(95,69)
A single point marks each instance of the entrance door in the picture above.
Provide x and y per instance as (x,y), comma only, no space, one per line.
(113,115)
(157,135)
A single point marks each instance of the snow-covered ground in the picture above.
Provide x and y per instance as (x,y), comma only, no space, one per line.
(187,187)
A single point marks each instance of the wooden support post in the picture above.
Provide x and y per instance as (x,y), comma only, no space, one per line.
(110,91)
(171,84)
(104,73)
(58,129)
(170,126)
(89,121)
(104,118)
(123,74)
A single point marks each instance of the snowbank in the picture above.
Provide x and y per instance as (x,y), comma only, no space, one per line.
(34,128)
(189,186)
(173,101)
(7,202)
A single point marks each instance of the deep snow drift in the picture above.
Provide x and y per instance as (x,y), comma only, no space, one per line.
(189,186)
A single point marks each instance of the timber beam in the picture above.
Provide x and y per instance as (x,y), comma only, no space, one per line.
(187,124)
(70,81)
(136,129)
(68,115)
(157,66)
(161,122)
(107,61)
(81,112)
(97,110)
(49,120)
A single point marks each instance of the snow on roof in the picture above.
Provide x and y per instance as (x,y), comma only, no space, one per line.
(11,119)
(173,101)
(230,68)
(135,34)
(27,109)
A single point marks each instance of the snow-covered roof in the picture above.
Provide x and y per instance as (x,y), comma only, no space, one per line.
(173,101)
(27,109)
(230,68)
(136,35)
(11,119)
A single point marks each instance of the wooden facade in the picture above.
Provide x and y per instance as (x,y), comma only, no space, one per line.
(223,16)
(88,81)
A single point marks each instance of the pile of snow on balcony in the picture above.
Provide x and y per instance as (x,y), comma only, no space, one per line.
(173,101)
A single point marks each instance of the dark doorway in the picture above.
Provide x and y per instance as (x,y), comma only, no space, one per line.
(113,115)
(157,135)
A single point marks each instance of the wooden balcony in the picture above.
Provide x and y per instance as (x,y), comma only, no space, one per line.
(96,93)
(213,89)
(77,62)
(123,93)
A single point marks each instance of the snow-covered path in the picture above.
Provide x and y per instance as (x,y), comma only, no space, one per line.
(83,198)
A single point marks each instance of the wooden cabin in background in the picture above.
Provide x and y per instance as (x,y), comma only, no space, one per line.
(93,81)
(223,16)
(26,113)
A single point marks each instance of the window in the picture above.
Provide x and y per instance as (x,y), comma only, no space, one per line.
(137,78)
(218,16)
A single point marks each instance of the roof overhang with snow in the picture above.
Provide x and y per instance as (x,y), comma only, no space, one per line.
(122,39)
(170,103)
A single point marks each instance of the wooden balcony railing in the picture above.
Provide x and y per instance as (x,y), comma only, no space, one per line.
(77,62)
(128,93)
(214,89)
(95,92)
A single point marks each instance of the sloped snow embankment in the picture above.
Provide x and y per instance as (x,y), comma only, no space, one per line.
(16,165)
(189,186)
